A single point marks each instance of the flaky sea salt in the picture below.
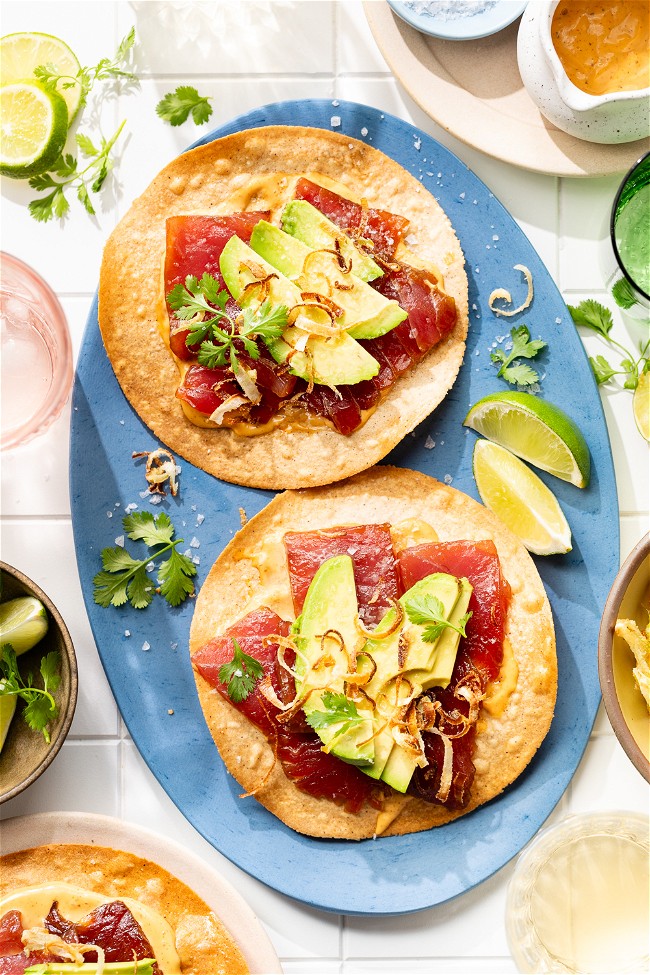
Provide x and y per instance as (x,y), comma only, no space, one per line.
(335,121)
(146,645)
(429,444)
(119,541)
(195,543)
(200,519)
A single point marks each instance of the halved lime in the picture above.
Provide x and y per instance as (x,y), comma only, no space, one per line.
(517,496)
(534,430)
(23,622)
(7,708)
(21,53)
(33,129)
(641,405)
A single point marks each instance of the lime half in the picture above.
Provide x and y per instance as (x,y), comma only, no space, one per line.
(33,129)
(517,496)
(7,708)
(21,53)
(23,622)
(641,405)
(534,430)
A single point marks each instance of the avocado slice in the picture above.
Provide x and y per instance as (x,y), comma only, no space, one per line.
(335,361)
(304,221)
(422,667)
(331,604)
(367,314)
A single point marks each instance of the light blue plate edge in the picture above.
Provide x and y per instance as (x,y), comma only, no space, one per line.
(370,898)
(491,22)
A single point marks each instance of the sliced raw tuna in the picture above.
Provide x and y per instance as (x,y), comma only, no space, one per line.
(298,748)
(195,242)
(371,550)
(384,229)
(431,312)
(206,389)
(250,633)
(339,406)
(478,562)
(111,926)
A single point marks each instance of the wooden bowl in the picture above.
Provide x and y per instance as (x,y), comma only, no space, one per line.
(623,700)
(26,754)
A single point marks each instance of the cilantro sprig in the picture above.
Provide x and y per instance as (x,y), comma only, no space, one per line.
(240,674)
(428,611)
(592,315)
(40,707)
(125,579)
(518,373)
(88,180)
(339,710)
(175,107)
(199,298)
(107,69)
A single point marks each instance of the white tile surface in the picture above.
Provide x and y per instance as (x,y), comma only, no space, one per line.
(287,50)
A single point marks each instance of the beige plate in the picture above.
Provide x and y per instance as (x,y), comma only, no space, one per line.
(473,89)
(69,827)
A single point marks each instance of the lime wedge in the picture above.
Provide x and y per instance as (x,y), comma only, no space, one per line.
(518,497)
(534,430)
(23,622)
(7,708)
(641,405)
(33,129)
(21,53)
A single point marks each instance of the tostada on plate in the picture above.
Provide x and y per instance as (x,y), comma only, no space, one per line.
(283,305)
(374,657)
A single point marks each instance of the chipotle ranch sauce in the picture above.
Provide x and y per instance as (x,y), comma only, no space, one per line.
(604,47)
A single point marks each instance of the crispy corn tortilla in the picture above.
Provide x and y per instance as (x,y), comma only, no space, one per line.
(252,571)
(203,944)
(232,174)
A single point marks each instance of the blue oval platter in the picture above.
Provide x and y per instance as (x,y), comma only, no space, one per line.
(144,652)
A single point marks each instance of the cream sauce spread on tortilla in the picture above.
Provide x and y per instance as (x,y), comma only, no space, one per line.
(75,903)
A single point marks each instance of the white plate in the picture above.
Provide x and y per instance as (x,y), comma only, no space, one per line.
(24,832)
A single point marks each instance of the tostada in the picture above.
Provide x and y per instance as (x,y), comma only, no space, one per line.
(81,908)
(283,305)
(374,657)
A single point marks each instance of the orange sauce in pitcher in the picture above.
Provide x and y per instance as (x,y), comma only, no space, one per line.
(604,47)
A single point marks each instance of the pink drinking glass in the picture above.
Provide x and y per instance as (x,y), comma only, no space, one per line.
(36,354)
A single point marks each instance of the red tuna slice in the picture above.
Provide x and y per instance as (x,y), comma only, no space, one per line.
(250,633)
(339,406)
(269,375)
(17,964)
(111,926)
(426,781)
(206,389)
(384,229)
(299,749)
(431,312)
(320,774)
(478,562)
(195,242)
(371,550)
(11,929)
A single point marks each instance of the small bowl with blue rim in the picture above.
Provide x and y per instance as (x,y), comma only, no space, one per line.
(458,20)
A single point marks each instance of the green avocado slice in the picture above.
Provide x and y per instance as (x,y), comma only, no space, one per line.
(331,607)
(304,221)
(367,313)
(336,361)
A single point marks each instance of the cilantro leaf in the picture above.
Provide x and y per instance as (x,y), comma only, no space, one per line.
(177,105)
(85,144)
(152,531)
(40,707)
(195,299)
(601,369)
(591,314)
(125,579)
(428,611)
(522,348)
(241,674)
(339,710)
(175,577)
